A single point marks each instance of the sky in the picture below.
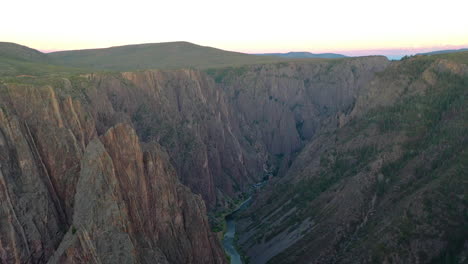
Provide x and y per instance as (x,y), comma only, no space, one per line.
(352,27)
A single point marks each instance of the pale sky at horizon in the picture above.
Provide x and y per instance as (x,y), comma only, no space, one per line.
(250,26)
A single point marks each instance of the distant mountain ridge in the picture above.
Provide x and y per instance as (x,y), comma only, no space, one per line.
(304,54)
(443,51)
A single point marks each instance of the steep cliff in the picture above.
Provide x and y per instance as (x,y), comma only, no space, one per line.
(223,135)
(387,186)
(185,113)
(71,196)
(280,106)
(131,208)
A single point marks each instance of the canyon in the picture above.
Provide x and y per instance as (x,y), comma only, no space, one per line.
(365,160)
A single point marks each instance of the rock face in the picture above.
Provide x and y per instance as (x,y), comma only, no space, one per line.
(100,231)
(71,196)
(40,166)
(281,106)
(185,113)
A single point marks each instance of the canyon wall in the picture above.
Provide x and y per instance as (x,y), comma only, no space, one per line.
(73,194)
(385,186)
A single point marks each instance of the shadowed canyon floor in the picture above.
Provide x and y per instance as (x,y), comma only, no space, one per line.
(366,159)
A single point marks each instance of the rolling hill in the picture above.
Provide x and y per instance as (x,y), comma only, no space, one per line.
(170,55)
(14,51)
(17,60)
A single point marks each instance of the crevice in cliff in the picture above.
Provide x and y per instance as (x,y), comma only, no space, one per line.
(46,178)
(17,225)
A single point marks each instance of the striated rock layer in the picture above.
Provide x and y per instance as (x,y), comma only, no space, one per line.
(68,195)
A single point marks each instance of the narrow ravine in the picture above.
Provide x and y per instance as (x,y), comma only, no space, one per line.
(228,240)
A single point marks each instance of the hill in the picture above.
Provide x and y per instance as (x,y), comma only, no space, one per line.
(18,52)
(170,55)
(303,55)
(17,60)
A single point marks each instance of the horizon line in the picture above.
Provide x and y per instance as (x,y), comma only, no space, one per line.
(347,52)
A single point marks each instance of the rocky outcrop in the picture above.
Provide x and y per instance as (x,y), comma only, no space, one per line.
(100,231)
(131,209)
(163,213)
(39,170)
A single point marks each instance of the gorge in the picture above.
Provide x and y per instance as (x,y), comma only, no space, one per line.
(120,162)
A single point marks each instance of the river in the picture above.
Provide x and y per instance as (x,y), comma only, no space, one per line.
(228,240)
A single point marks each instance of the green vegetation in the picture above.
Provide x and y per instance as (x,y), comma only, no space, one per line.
(434,157)
(217,218)
(25,69)
(423,119)
(221,75)
(459,57)
(17,60)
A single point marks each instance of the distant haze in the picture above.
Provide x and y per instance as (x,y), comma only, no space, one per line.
(359,27)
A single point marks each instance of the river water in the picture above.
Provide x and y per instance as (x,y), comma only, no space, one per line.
(228,240)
